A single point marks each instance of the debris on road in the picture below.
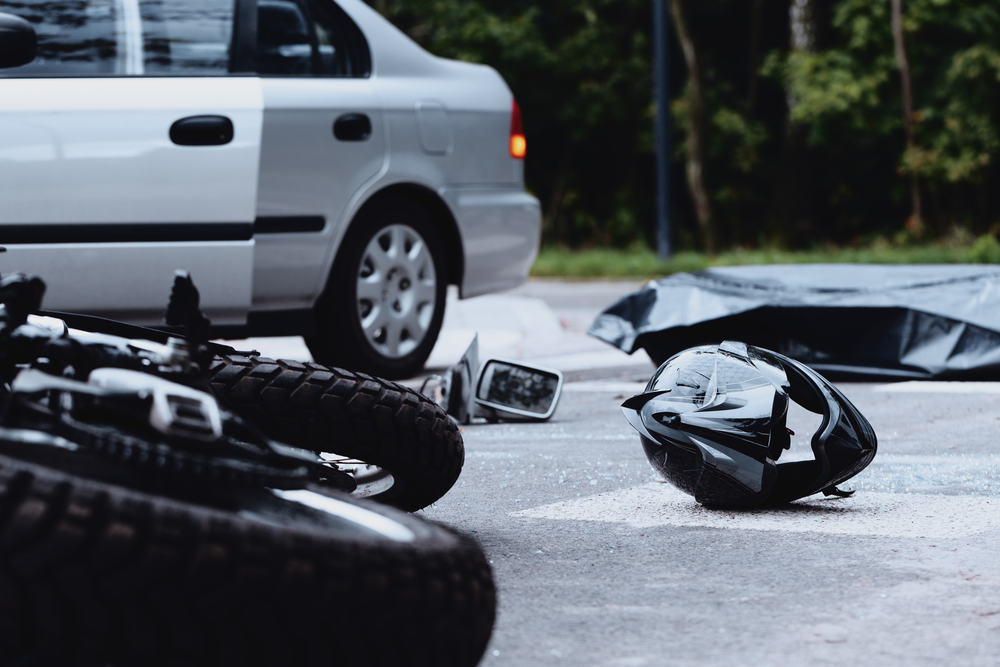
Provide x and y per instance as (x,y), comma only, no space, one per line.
(849,322)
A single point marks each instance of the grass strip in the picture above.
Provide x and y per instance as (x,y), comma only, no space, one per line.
(558,262)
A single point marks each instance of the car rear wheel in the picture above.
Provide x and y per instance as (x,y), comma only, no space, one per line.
(384,303)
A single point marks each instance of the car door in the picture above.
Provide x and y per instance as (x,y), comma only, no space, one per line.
(323,139)
(128,150)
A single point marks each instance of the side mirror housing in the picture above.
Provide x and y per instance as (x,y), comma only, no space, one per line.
(18,41)
(458,384)
(512,389)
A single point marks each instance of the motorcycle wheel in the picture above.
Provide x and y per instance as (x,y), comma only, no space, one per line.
(375,425)
(98,573)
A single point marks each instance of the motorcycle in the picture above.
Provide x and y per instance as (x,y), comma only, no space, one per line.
(144,522)
(401,448)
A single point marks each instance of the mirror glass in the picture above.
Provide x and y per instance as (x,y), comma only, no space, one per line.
(517,387)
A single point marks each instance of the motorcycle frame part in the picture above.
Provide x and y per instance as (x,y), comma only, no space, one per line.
(101,325)
(170,446)
(176,410)
(369,480)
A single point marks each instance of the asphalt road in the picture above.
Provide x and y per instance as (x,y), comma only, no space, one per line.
(600,563)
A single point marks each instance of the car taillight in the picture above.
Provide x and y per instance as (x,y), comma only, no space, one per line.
(518,145)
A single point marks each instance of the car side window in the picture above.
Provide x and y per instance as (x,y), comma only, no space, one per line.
(187,37)
(309,38)
(126,37)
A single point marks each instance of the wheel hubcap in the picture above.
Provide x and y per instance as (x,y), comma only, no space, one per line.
(396,291)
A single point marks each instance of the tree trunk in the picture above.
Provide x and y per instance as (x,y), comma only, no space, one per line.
(802,14)
(696,132)
(904,75)
(793,217)
(550,221)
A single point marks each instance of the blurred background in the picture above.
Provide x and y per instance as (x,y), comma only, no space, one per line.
(805,130)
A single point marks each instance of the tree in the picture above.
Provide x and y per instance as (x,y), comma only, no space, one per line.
(904,76)
(811,146)
(847,98)
(793,216)
(696,127)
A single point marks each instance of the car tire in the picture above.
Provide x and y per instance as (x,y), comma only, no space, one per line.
(99,573)
(382,309)
(331,410)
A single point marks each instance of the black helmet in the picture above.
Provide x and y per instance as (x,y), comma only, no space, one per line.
(712,422)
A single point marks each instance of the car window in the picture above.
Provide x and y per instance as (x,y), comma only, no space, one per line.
(126,37)
(309,38)
(184,37)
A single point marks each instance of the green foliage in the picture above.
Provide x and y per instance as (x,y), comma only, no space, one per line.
(849,94)
(986,250)
(640,262)
(582,72)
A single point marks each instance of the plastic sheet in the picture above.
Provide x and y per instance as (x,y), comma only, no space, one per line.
(847,321)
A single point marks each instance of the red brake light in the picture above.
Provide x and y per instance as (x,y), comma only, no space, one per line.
(518,145)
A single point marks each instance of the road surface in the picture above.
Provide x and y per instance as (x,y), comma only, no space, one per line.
(599,562)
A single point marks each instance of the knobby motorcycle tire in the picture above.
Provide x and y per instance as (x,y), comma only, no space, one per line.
(93,573)
(330,409)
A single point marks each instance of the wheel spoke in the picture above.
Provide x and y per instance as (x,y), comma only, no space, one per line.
(412,322)
(379,262)
(424,291)
(419,260)
(370,289)
(397,243)
(376,320)
(393,336)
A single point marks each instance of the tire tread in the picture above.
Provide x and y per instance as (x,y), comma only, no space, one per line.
(329,409)
(96,574)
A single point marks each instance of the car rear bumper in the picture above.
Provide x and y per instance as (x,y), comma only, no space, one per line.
(500,229)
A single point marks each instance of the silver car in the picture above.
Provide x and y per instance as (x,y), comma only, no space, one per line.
(315,170)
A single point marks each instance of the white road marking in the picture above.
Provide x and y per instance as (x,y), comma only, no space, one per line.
(867,513)
(920,387)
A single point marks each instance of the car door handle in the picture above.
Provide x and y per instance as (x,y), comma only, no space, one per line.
(202,131)
(352,127)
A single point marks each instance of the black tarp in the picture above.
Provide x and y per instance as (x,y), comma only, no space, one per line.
(848,321)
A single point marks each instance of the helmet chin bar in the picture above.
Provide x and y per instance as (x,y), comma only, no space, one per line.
(712,421)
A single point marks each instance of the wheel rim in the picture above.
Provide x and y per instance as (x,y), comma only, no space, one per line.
(396,291)
(371,480)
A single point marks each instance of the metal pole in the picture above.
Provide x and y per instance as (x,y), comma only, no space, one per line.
(662,86)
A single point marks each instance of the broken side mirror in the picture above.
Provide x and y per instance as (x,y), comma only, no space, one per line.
(453,390)
(512,389)
(497,389)
(18,41)
(458,384)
